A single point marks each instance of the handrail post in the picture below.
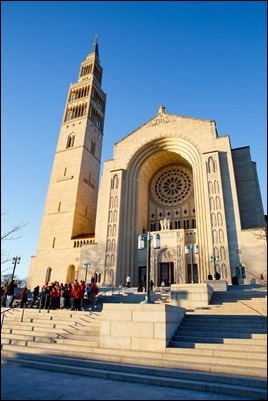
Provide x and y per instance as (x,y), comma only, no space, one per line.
(48,305)
(23,312)
(2,321)
(45,304)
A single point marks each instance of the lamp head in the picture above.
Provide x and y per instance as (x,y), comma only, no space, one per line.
(157,241)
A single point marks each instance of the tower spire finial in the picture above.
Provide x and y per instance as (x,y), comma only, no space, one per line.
(95,47)
(161,108)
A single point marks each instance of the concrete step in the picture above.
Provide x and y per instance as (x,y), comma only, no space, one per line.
(215,338)
(59,338)
(45,343)
(216,319)
(225,332)
(48,338)
(226,353)
(55,319)
(46,325)
(222,329)
(244,344)
(217,383)
(168,360)
(172,359)
(26,330)
(210,327)
(50,314)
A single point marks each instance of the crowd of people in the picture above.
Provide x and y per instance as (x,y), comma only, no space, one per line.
(7,293)
(143,284)
(54,295)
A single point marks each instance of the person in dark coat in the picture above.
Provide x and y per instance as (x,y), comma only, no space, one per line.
(23,297)
(35,295)
(10,293)
(140,287)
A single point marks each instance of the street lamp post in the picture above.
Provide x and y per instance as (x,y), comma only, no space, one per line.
(147,238)
(191,248)
(86,266)
(214,259)
(15,261)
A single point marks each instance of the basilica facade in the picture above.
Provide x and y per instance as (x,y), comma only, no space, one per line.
(173,180)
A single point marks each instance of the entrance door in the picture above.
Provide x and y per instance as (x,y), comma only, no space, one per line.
(142,274)
(195,273)
(166,273)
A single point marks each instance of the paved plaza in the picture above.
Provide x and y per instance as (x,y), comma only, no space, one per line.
(20,383)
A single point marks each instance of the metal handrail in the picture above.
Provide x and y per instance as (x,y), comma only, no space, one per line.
(3,314)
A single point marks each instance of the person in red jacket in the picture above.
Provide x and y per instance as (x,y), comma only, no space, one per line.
(77,296)
(83,290)
(93,293)
(72,296)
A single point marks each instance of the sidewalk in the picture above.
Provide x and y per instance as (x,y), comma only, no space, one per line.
(20,383)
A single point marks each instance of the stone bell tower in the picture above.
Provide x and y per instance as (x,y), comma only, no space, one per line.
(71,203)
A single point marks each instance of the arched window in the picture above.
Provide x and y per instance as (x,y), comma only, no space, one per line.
(93,147)
(116,201)
(97,275)
(218,202)
(111,276)
(210,188)
(240,271)
(70,141)
(48,274)
(107,261)
(216,187)
(219,218)
(212,203)
(215,236)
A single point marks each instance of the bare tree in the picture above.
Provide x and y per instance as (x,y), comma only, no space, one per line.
(260,233)
(8,236)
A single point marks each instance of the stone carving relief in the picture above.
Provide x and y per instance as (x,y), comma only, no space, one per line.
(212,166)
(165,224)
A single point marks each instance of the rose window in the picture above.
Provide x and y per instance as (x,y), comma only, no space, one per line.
(172,185)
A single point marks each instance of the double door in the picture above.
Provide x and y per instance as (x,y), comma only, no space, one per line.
(166,273)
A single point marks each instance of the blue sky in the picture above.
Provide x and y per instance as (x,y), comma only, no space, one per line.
(200,59)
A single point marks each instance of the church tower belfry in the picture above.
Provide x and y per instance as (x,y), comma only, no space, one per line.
(71,203)
(75,175)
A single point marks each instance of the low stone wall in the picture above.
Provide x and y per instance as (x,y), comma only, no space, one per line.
(191,296)
(147,327)
(218,285)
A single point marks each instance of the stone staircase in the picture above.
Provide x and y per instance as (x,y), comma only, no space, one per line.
(221,348)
